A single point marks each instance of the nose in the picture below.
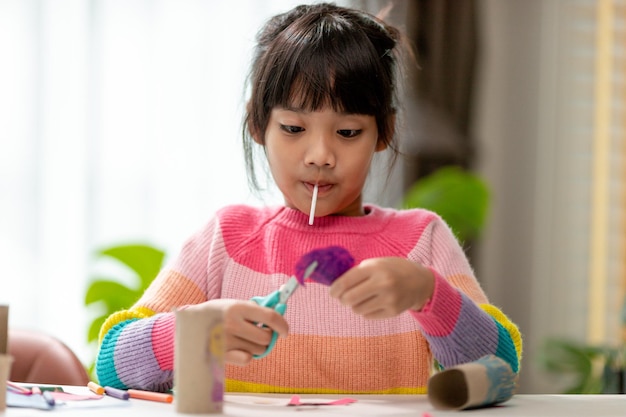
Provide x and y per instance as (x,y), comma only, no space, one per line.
(320,151)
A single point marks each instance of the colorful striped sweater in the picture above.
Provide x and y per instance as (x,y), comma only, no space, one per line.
(247,251)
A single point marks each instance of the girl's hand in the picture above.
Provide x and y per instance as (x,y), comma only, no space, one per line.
(243,336)
(381,288)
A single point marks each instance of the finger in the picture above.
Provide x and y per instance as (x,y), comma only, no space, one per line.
(360,288)
(272,319)
(376,308)
(367,306)
(245,320)
(253,347)
(239,330)
(365,292)
(238,357)
(353,277)
(256,334)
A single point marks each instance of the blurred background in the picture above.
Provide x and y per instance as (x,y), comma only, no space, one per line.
(120,123)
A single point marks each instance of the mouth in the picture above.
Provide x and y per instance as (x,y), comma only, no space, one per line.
(322,187)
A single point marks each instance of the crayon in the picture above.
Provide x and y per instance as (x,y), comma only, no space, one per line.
(47,395)
(95,388)
(18,388)
(151,396)
(116,393)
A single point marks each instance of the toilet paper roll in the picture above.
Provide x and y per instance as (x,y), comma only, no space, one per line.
(199,361)
(5,371)
(482,383)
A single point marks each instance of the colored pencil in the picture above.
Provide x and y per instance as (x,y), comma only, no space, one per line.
(47,395)
(95,388)
(19,388)
(117,393)
(151,396)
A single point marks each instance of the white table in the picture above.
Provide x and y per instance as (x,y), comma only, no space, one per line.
(245,405)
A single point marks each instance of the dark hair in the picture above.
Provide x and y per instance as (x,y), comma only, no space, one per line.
(322,55)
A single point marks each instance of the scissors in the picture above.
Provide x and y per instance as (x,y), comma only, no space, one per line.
(277,300)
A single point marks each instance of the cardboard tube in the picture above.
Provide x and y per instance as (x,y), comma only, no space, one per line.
(5,359)
(5,371)
(485,382)
(4,329)
(199,361)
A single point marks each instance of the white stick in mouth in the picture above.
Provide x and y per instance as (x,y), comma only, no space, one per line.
(313,202)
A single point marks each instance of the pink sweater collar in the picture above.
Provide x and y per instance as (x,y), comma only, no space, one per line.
(375,220)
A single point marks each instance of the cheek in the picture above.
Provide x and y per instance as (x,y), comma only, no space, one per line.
(279,161)
(360,162)
(275,157)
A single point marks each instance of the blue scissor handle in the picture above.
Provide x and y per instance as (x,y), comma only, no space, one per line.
(271,301)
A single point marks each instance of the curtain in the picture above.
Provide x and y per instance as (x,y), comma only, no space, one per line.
(119,122)
(444,35)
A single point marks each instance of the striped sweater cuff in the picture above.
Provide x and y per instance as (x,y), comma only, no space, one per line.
(163,333)
(439,316)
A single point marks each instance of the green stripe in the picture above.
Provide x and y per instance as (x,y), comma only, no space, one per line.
(105,363)
(506,347)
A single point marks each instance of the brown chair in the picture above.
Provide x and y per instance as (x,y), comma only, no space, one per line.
(43,359)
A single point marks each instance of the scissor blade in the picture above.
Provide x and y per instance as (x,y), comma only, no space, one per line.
(288,289)
(290,286)
(309,270)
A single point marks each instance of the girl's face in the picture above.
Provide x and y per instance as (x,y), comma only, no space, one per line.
(333,150)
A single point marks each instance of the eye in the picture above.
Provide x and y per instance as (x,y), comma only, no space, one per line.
(291,129)
(349,133)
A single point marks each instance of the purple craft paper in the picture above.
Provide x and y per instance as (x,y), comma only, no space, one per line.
(332,262)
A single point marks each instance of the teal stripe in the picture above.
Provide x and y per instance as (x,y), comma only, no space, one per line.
(105,363)
(506,347)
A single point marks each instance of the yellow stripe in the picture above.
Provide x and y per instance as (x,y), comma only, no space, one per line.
(123,315)
(240,386)
(504,321)
(600,175)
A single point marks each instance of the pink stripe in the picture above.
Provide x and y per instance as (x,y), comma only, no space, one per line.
(163,340)
(310,310)
(441,316)
(202,249)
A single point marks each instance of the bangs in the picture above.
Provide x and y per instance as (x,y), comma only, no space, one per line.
(322,56)
(323,61)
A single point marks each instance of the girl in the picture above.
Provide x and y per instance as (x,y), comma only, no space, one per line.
(322,104)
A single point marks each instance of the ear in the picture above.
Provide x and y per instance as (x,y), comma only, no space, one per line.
(258,138)
(381,145)
(253,130)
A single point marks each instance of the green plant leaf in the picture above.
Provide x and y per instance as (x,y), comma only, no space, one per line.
(113,294)
(459,197)
(145,260)
(108,295)
(94,328)
(580,361)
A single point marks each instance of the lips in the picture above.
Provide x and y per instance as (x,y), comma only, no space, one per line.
(322,187)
